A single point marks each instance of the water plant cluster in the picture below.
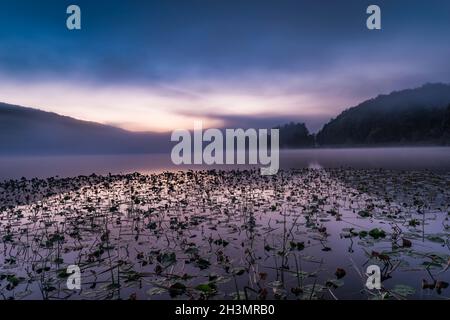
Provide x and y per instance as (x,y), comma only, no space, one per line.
(300,234)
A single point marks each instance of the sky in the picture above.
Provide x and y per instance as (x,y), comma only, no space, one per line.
(161,65)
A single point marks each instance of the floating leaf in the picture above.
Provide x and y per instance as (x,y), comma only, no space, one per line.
(377,233)
(202,263)
(207,288)
(403,290)
(177,289)
(340,273)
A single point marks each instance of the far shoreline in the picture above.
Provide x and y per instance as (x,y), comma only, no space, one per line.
(282,149)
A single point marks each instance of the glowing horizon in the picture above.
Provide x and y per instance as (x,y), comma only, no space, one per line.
(159,108)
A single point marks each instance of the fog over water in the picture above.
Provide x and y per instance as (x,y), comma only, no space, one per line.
(416,158)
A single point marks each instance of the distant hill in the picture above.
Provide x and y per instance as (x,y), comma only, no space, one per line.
(407,117)
(295,135)
(31,131)
(418,116)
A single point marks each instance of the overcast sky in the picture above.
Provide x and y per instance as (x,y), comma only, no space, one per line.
(160,65)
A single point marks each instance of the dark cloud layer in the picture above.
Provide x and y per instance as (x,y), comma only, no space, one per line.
(153,40)
(324,44)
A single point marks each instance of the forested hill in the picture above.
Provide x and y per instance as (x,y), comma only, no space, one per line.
(31,131)
(418,116)
(408,117)
(295,135)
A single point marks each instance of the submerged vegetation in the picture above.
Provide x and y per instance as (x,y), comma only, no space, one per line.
(300,234)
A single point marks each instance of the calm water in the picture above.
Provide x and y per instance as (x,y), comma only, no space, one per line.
(433,158)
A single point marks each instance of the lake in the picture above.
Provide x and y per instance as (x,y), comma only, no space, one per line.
(153,231)
(301,234)
(433,158)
